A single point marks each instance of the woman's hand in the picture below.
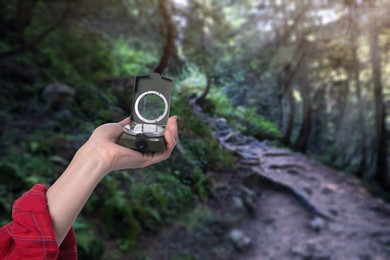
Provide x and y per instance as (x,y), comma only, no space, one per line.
(115,157)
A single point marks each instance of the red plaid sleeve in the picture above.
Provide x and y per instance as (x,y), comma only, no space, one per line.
(31,234)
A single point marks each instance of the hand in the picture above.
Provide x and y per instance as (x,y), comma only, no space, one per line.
(115,157)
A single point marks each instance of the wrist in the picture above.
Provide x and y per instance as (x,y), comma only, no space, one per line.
(92,161)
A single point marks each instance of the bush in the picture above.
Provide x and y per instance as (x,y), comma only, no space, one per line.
(130,204)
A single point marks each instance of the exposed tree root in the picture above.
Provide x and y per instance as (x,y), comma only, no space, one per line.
(259,179)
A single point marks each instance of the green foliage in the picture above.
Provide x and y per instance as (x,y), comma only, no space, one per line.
(243,118)
(88,243)
(197,139)
(197,218)
(20,170)
(246,119)
(129,204)
(193,81)
(73,56)
(255,124)
(127,60)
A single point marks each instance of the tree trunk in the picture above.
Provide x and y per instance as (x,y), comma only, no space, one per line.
(300,55)
(342,138)
(169,39)
(206,90)
(380,115)
(381,173)
(291,117)
(287,88)
(356,78)
(304,132)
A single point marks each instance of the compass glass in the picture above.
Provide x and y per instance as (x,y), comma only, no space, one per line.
(151,107)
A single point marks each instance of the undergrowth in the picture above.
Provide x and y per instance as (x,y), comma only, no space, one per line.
(245,119)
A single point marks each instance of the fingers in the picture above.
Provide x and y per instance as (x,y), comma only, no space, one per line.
(120,157)
(124,122)
(171,137)
(172,130)
(114,130)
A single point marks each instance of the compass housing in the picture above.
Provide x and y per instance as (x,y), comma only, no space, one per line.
(149,114)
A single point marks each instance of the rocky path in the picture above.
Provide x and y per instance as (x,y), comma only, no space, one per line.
(305,210)
(277,205)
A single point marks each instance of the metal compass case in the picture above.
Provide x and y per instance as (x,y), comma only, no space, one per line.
(149,114)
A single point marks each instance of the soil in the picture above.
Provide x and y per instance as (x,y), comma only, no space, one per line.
(277,205)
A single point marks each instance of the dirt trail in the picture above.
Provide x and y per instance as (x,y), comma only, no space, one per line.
(307,210)
(277,205)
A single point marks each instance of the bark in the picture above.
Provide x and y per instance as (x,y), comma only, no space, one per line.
(305,129)
(169,38)
(291,117)
(206,90)
(356,78)
(287,88)
(342,138)
(380,115)
(381,174)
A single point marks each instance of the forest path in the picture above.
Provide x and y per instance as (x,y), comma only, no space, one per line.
(306,210)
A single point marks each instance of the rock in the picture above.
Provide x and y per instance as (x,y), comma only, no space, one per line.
(311,249)
(231,138)
(364,257)
(57,88)
(336,228)
(238,204)
(328,189)
(221,123)
(221,133)
(250,161)
(247,155)
(317,224)
(239,239)
(57,95)
(334,212)
(248,198)
(307,190)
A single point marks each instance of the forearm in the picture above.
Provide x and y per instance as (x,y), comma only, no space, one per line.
(67,196)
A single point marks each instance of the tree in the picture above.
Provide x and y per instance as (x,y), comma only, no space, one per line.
(169,38)
(304,132)
(380,110)
(353,14)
